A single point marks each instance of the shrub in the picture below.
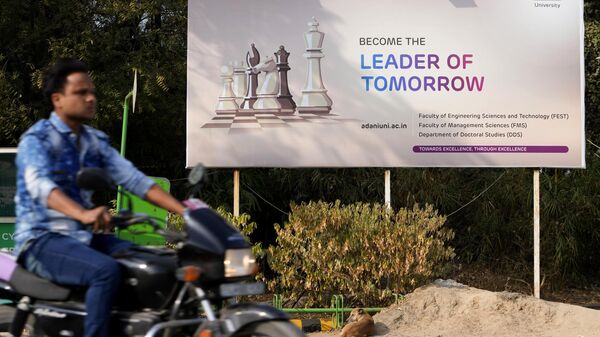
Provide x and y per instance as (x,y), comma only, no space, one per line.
(363,251)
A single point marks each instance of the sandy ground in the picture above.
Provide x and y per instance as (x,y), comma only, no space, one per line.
(450,309)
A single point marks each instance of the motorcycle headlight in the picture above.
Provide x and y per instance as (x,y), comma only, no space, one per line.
(239,262)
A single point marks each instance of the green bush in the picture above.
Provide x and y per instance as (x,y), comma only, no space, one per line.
(363,251)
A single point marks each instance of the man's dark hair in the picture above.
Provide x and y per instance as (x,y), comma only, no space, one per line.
(56,76)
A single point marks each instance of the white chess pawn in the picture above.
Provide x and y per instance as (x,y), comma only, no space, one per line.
(267,93)
(314,95)
(227,102)
(239,81)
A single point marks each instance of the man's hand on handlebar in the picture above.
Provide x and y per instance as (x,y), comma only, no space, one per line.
(98,217)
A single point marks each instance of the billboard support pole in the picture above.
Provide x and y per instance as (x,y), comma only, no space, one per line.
(536,233)
(388,188)
(236,192)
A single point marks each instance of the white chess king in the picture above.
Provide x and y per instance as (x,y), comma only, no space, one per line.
(314,95)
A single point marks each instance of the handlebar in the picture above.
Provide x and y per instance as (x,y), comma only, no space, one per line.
(124,221)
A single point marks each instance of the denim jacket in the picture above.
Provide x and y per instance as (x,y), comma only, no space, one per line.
(48,157)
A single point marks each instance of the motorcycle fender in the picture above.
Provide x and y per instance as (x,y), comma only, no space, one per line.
(7,292)
(237,316)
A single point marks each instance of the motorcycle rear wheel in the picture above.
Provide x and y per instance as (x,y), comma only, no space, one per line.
(270,329)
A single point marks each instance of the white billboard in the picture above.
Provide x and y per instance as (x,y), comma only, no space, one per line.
(388,83)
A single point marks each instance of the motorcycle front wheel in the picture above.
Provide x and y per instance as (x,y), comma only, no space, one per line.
(270,329)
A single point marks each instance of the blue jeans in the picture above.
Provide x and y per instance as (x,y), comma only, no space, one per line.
(67,261)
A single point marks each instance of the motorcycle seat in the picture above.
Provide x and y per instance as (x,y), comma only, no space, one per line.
(29,284)
(22,282)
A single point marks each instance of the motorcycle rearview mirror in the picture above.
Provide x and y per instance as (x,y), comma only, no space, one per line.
(95,179)
(197,174)
(196,178)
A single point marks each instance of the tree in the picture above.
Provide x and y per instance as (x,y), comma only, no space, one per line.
(113,37)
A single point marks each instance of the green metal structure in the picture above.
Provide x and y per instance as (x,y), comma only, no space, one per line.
(139,205)
(128,98)
(337,308)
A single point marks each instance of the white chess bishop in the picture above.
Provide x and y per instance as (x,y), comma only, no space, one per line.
(314,95)
(267,93)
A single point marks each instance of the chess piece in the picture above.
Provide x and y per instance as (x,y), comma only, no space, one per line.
(284,97)
(227,102)
(314,95)
(252,78)
(267,94)
(239,85)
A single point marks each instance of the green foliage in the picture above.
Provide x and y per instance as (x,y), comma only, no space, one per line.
(13,119)
(570,224)
(494,229)
(493,225)
(113,37)
(592,68)
(363,251)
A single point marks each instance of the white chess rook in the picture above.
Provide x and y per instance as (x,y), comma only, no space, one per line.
(227,102)
(314,95)
(267,94)
(239,81)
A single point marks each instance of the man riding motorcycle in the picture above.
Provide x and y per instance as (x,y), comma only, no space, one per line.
(52,236)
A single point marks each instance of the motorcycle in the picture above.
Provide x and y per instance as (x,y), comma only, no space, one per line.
(165,292)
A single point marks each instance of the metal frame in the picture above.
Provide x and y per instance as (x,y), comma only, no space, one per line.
(337,308)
